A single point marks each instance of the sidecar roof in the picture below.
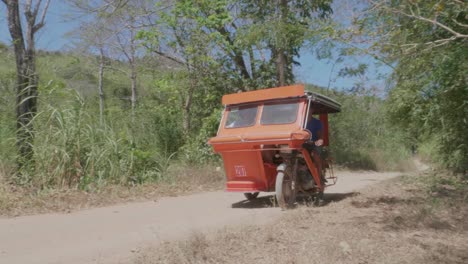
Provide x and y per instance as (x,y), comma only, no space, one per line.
(321,104)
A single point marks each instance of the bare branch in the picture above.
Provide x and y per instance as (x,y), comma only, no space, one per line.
(41,23)
(460,24)
(174,59)
(36,9)
(409,47)
(433,21)
(27,9)
(102,6)
(122,47)
(44,11)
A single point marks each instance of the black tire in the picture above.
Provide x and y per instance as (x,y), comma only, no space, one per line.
(318,199)
(285,187)
(251,196)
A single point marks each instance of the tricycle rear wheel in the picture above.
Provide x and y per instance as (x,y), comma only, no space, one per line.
(251,196)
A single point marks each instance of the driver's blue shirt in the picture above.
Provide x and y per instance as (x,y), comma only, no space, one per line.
(314,126)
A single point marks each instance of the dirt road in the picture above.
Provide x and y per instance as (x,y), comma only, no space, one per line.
(113,234)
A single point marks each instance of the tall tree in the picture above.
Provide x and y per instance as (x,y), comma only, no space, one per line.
(26,74)
(119,23)
(236,44)
(255,43)
(94,38)
(282,28)
(126,27)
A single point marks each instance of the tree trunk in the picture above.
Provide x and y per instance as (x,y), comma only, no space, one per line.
(100,86)
(280,67)
(188,105)
(27,80)
(253,70)
(281,56)
(236,56)
(132,60)
(133,77)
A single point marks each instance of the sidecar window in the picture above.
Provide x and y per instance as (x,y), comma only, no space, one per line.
(241,116)
(282,113)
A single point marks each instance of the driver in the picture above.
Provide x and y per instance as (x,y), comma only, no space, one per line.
(315,127)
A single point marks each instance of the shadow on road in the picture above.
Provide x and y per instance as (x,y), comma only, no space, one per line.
(260,202)
(302,199)
(336,197)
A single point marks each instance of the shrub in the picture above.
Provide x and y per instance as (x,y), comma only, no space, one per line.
(361,136)
(198,150)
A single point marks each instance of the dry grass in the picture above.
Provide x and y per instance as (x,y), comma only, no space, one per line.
(399,221)
(16,201)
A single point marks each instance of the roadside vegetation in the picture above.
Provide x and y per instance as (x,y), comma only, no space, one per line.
(72,149)
(410,219)
(17,201)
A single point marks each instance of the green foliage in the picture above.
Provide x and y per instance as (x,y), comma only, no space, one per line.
(7,128)
(431,92)
(238,42)
(72,150)
(362,137)
(158,129)
(197,150)
(431,100)
(222,47)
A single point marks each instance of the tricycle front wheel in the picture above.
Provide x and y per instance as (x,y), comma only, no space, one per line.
(285,187)
(251,196)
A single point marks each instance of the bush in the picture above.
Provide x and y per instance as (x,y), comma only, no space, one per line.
(361,136)
(197,150)
(73,150)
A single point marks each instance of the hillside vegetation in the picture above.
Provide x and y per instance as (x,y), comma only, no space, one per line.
(140,90)
(72,149)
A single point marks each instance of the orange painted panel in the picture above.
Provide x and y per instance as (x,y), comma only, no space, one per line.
(245,167)
(243,186)
(264,94)
(254,145)
(313,169)
(259,137)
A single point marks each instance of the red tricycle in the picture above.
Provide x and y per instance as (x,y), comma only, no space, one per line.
(263,141)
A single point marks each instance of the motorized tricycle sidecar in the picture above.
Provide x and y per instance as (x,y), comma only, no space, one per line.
(261,140)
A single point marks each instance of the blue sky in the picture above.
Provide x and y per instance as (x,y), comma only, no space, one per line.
(325,74)
(312,70)
(57,26)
